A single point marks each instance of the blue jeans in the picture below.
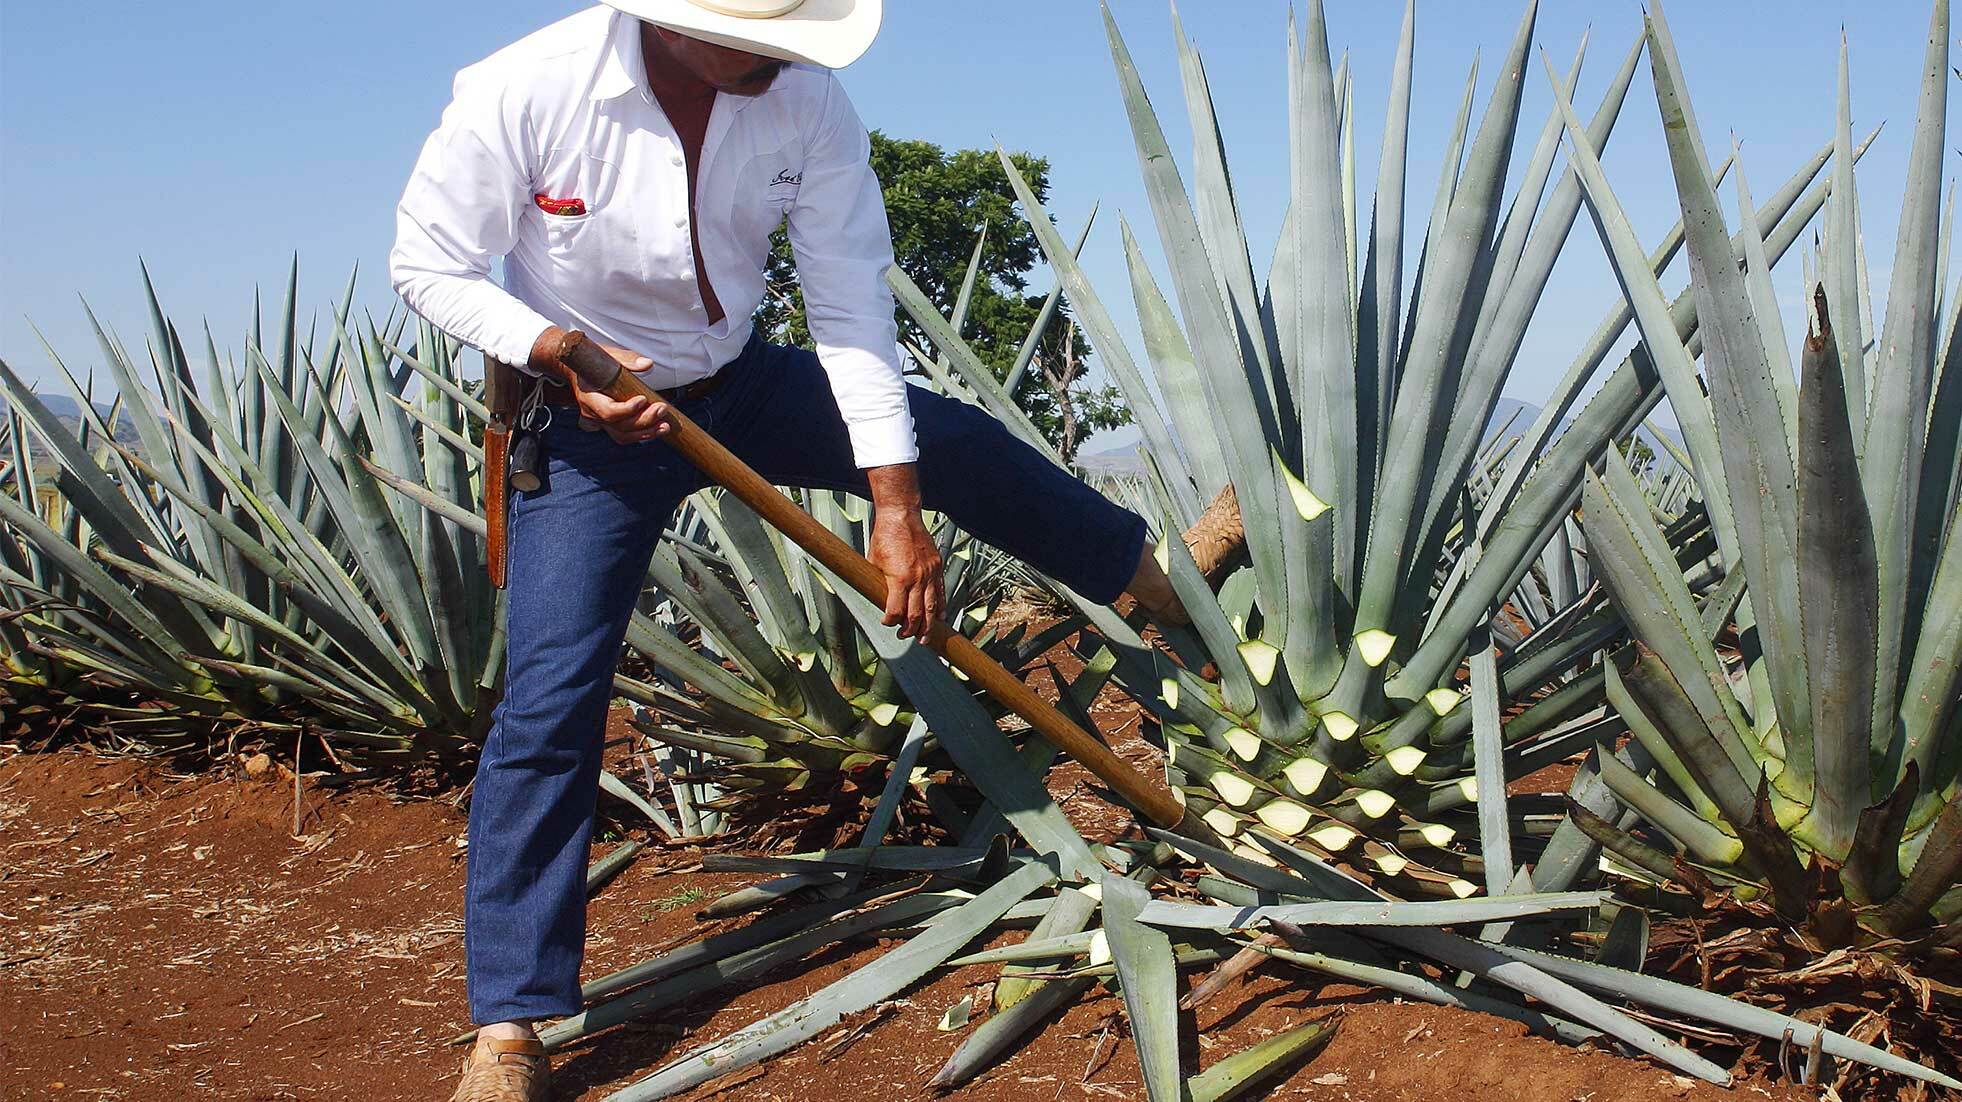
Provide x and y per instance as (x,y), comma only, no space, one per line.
(580,546)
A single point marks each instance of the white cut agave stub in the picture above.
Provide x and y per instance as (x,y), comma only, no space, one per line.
(1244,743)
(1224,822)
(1261,658)
(1375,645)
(1443,701)
(1334,837)
(1375,802)
(1306,775)
(1099,949)
(1405,759)
(1341,727)
(1306,503)
(1232,787)
(1284,816)
(1437,834)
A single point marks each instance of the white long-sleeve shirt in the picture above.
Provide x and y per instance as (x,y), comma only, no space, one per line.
(565,114)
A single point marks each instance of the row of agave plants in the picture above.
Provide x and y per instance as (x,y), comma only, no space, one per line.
(1421,617)
(294,549)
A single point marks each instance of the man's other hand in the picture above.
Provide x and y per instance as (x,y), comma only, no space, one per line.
(905,553)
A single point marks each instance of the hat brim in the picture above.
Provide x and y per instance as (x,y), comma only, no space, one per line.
(830,34)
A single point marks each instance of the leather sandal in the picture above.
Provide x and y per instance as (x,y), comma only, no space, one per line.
(505,1071)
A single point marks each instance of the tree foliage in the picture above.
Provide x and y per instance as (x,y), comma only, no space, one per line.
(939,204)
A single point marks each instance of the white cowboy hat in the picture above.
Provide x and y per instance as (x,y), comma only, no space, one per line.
(830,34)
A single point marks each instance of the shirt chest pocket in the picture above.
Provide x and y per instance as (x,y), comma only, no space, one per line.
(584,218)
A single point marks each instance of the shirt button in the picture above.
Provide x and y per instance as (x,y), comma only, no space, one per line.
(680,222)
(676,160)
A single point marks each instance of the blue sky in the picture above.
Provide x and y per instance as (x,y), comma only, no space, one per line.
(215,139)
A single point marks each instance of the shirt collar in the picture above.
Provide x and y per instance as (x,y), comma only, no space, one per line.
(623,67)
(620,62)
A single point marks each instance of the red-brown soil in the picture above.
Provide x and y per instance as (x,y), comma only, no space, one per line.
(165,936)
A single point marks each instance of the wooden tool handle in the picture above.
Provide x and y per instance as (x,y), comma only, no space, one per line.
(596,369)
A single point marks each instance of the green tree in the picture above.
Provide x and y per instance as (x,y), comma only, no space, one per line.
(939,203)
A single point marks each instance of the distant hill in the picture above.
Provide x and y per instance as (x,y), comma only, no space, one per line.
(69,413)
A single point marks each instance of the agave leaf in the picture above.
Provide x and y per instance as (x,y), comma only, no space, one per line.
(1365,913)
(1097,326)
(1476,957)
(1323,314)
(1636,564)
(1030,343)
(897,781)
(1512,301)
(354,498)
(1840,259)
(158,642)
(1676,998)
(1494,830)
(972,739)
(1225,237)
(1070,913)
(450,388)
(1178,376)
(1524,529)
(1698,742)
(1934,874)
(1649,736)
(1653,320)
(880,980)
(1237,397)
(620,790)
(658,643)
(1936,502)
(1903,381)
(1756,451)
(1780,220)
(992,1037)
(1707,844)
(1209,622)
(1929,699)
(1379,307)
(1146,972)
(723,967)
(108,511)
(1236,1073)
(1838,594)
(1425,989)
(687,579)
(1451,282)
(961,359)
(176,579)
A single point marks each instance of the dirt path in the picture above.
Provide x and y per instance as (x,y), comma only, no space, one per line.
(166,937)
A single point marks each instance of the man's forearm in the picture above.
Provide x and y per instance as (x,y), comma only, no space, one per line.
(896,486)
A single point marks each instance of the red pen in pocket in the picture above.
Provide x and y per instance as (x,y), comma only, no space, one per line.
(565,208)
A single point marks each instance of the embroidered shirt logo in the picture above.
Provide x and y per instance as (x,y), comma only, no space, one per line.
(787,179)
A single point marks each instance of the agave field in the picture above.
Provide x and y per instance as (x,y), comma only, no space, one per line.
(1745,645)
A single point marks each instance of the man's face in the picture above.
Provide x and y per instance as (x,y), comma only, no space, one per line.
(737,72)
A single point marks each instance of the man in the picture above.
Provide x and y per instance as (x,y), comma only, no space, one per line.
(628,164)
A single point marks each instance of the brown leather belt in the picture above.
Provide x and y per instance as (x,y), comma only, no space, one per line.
(686,392)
